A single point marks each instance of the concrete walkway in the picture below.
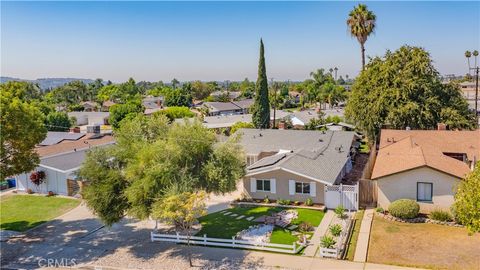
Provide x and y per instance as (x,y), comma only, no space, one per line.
(311,250)
(364,237)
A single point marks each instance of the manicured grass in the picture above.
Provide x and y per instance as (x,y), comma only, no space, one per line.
(356,230)
(364,148)
(22,212)
(423,245)
(218,225)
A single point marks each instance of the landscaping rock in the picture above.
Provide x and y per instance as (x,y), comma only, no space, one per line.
(250,218)
(240,217)
(227,213)
(234,215)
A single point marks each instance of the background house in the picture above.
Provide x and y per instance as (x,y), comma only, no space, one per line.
(90,118)
(61,156)
(228,108)
(423,165)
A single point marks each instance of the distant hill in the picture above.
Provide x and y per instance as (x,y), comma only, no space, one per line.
(46,83)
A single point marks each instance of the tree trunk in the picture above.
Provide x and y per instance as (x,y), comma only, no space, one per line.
(362,46)
(189,250)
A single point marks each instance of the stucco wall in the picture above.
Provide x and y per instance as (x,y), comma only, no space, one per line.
(55,181)
(281,179)
(404,186)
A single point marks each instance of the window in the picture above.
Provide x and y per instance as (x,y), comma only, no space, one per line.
(424,192)
(263,185)
(302,188)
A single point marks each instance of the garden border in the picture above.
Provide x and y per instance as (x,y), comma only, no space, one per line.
(241,204)
(419,220)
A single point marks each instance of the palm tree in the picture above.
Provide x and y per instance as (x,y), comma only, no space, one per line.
(361,23)
(468,54)
(475,54)
(335,69)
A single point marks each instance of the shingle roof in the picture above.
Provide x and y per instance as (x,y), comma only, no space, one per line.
(314,154)
(66,161)
(402,150)
(54,137)
(222,106)
(244,104)
(221,121)
(68,146)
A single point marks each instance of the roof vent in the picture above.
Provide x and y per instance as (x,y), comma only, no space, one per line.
(320,140)
(260,135)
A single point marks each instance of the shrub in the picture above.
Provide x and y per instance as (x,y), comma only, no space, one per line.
(440,215)
(50,194)
(379,210)
(283,202)
(266,200)
(327,242)
(37,177)
(305,227)
(296,203)
(404,208)
(29,191)
(340,211)
(336,229)
(309,202)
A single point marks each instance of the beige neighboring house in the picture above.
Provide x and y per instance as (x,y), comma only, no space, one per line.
(89,106)
(294,164)
(424,165)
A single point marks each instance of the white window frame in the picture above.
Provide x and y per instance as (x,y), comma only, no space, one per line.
(303,188)
(263,185)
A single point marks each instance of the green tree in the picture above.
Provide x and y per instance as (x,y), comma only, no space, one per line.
(201,90)
(120,111)
(179,96)
(176,112)
(149,158)
(403,89)
(21,129)
(361,23)
(58,121)
(181,210)
(239,125)
(261,106)
(467,201)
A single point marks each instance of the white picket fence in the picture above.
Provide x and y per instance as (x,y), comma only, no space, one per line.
(232,243)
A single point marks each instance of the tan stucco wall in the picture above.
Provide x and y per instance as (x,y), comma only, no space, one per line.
(404,186)
(281,178)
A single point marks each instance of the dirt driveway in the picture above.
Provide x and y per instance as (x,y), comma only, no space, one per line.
(423,245)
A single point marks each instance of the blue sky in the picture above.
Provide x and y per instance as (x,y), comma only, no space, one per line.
(219,40)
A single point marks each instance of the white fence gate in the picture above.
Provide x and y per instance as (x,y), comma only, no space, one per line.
(344,195)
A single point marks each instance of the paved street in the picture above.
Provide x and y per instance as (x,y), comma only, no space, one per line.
(80,236)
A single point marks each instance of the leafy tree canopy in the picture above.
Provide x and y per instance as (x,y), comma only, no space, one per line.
(403,89)
(58,121)
(120,111)
(152,156)
(467,201)
(21,129)
(177,112)
(240,125)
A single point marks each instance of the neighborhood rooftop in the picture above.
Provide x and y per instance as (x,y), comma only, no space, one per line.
(54,137)
(402,150)
(70,145)
(65,162)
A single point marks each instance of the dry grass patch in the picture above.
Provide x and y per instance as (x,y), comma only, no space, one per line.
(423,245)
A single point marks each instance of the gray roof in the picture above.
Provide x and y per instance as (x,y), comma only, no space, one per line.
(222,106)
(314,154)
(54,137)
(232,95)
(66,161)
(222,121)
(306,115)
(244,104)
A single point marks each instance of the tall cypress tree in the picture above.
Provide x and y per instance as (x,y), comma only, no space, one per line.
(261,106)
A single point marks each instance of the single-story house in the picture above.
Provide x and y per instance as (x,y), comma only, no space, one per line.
(225,121)
(294,164)
(423,165)
(61,156)
(90,118)
(89,106)
(228,108)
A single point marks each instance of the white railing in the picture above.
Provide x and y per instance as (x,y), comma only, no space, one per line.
(221,242)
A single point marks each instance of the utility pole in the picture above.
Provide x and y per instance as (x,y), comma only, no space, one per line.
(476,70)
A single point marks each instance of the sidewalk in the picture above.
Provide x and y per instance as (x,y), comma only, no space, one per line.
(364,237)
(311,249)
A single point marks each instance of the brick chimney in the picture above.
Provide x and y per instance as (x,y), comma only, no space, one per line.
(441,126)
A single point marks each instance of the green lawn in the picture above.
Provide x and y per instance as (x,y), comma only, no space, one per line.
(219,226)
(356,230)
(22,212)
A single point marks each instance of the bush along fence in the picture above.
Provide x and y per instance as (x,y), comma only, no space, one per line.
(418,220)
(338,249)
(231,243)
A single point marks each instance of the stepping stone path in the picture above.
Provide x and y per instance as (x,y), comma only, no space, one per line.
(227,213)
(240,217)
(234,215)
(250,218)
(223,211)
(293,227)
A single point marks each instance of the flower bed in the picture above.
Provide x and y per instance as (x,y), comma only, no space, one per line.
(274,204)
(420,219)
(335,240)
